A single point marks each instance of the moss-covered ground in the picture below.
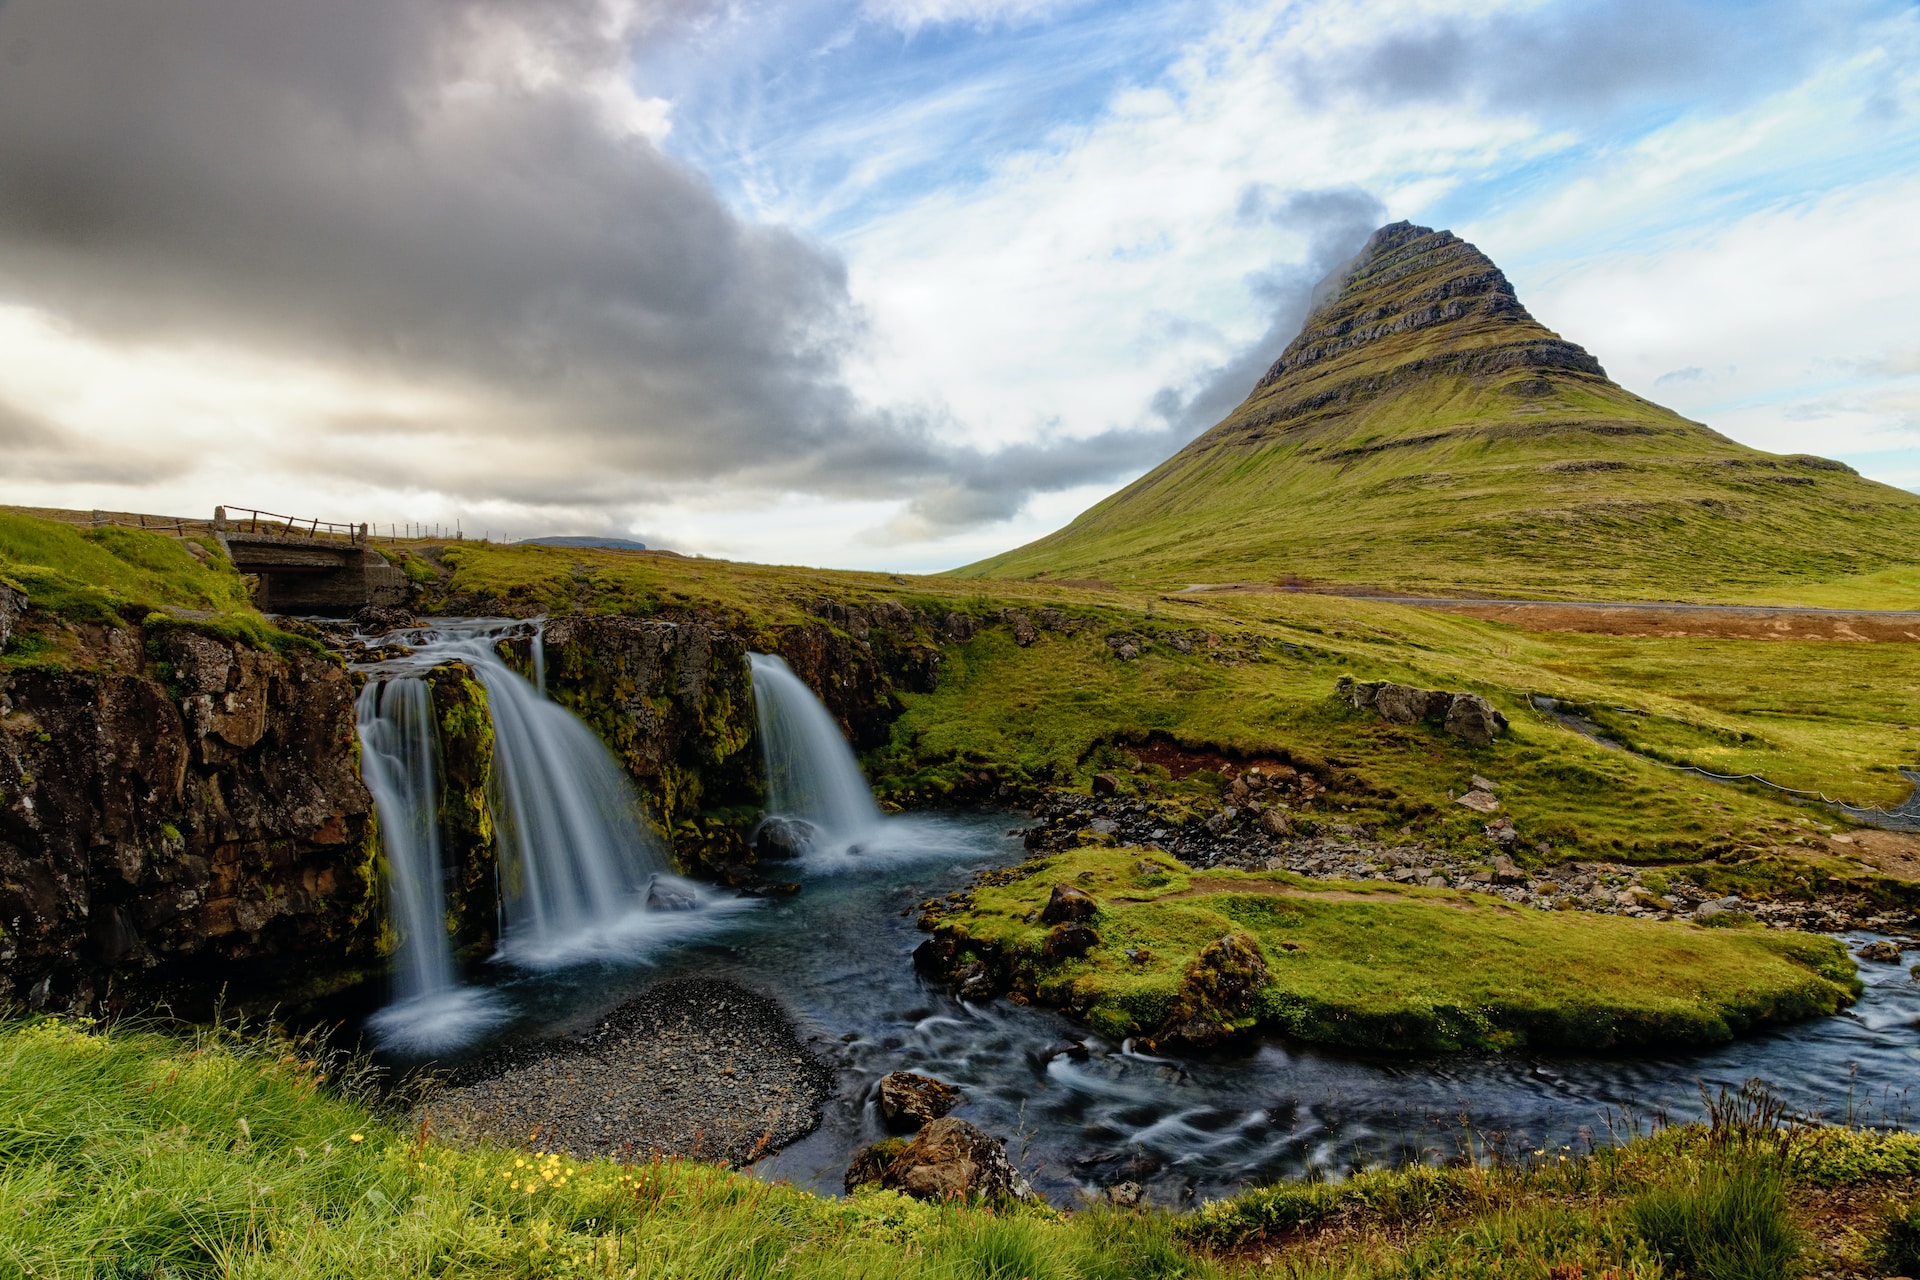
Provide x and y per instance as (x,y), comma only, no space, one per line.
(127,1153)
(112,576)
(1403,969)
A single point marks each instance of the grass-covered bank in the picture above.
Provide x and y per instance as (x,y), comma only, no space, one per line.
(1162,949)
(127,1153)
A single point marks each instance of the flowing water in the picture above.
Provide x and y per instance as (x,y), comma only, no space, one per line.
(580,872)
(838,955)
(1080,1112)
(811,772)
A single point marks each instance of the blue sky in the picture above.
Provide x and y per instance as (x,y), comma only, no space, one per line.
(1008,252)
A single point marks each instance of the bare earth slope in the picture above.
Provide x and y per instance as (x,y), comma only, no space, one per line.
(1424,431)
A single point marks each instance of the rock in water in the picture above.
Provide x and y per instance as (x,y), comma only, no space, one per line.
(781,839)
(952,1160)
(662,896)
(1880,952)
(908,1101)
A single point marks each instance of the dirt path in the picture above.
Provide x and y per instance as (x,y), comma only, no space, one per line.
(1634,618)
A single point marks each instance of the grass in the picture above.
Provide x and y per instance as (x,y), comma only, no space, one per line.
(1835,718)
(111,576)
(1729,1222)
(1403,969)
(130,1153)
(1388,463)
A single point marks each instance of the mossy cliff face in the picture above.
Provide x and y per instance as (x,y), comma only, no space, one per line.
(673,701)
(465,723)
(179,814)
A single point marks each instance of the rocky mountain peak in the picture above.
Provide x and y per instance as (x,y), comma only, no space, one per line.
(1411,294)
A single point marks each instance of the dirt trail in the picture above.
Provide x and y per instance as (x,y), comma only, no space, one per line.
(1633,618)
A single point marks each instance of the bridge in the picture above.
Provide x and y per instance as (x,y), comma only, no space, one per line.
(314,567)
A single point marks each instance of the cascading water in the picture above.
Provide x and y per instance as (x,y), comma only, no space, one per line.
(579,873)
(811,772)
(399,755)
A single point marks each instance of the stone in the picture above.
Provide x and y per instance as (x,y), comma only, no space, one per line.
(779,839)
(950,1159)
(1103,826)
(1719,907)
(13,607)
(1275,823)
(1105,784)
(1123,1195)
(958,627)
(1880,951)
(1474,719)
(664,895)
(1404,704)
(1023,630)
(1479,783)
(1217,993)
(1506,872)
(908,1101)
(870,1163)
(1479,802)
(1125,647)
(1067,905)
(1069,941)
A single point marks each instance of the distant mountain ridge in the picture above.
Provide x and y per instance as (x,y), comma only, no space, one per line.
(1425,431)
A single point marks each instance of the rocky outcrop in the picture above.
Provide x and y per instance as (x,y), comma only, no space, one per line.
(181,814)
(465,723)
(1466,716)
(13,607)
(908,1101)
(948,1160)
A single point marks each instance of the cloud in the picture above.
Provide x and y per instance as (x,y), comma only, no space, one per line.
(463,196)
(1336,224)
(1692,373)
(911,15)
(1582,57)
(36,449)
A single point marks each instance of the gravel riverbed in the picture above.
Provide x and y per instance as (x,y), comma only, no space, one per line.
(690,1067)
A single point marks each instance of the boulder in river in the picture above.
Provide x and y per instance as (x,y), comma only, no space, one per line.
(908,1101)
(1880,951)
(779,839)
(952,1160)
(662,895)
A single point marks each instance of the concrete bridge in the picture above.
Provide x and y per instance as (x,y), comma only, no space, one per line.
(308,566)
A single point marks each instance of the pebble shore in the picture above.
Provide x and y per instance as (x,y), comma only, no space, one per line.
(691,1067)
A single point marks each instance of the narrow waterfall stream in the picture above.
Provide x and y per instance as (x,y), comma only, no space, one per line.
(811,773)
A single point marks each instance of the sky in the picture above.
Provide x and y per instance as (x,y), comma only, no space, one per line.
(891,284)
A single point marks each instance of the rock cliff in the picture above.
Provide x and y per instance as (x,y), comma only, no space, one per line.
(180,814)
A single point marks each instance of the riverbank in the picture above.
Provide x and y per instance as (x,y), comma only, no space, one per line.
(688,1069)
(130,1153)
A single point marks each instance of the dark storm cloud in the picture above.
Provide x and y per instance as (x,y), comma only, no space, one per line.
(434,189)
(1585,56)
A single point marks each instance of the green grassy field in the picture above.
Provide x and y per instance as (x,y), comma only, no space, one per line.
(127,1153)
(1405,969)
(1416,447)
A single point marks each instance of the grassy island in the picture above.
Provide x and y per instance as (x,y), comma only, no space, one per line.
(1196,956)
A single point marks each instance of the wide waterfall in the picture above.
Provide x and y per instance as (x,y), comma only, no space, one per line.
(811,772)
(580,874)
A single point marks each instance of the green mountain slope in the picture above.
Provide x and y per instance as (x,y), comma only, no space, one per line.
(1425,432)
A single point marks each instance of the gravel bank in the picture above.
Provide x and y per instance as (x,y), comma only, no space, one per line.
(691,1067)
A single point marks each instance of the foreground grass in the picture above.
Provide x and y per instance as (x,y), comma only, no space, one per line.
(127,1153)
(1397,969)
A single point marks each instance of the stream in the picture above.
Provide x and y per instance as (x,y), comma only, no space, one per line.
(837,954)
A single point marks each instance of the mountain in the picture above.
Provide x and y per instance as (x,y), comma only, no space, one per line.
(1425,432)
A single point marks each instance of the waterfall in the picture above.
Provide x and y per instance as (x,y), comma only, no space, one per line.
(811,772)
(580,874)
(399,750)
(399,757)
